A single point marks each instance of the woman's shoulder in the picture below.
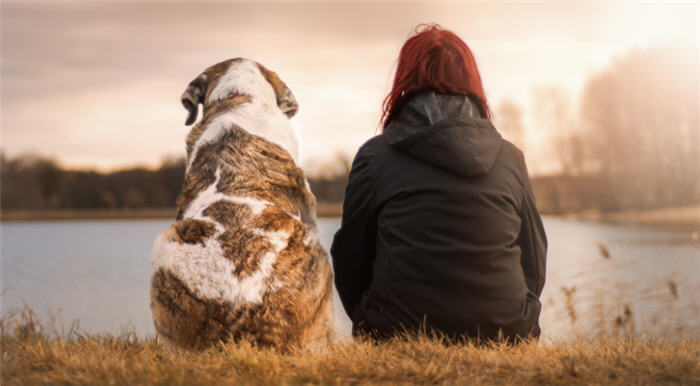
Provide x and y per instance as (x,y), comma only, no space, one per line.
(512,151)
(373,147)
(372,144)
(512,158)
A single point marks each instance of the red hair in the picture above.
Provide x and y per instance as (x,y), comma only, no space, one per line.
(435,59)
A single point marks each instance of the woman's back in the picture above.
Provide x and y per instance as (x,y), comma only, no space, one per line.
(440,228)
(444,199)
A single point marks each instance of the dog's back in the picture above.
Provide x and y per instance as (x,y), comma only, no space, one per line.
(243,259)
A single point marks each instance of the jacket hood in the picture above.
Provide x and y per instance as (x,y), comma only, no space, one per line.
(446,131)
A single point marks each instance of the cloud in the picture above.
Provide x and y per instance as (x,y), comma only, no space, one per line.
(92,129)
(98,82)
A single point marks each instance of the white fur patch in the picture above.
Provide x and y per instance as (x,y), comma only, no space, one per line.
(261,116)
(211,195)
(243,77)
(204,268)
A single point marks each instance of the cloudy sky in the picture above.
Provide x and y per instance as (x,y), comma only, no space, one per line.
(97,84)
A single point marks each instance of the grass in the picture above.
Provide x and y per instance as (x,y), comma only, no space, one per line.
(32,355)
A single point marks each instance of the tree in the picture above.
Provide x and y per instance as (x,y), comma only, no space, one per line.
(641,120)
(509,120)
(555,120)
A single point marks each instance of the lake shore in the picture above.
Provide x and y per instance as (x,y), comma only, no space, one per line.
(88,214)
(674,216)
(323,209)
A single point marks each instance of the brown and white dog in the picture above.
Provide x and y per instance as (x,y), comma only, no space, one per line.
(243,259)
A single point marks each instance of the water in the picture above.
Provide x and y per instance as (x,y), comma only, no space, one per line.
(649,285)
(98,273)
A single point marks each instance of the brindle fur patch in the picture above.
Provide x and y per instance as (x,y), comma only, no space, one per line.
(183,318)
(211,112)
(258,168)
(214,110)
(193,231)
(241,243)
(245,248)
(250,166)
(285,100)
(308,288)
(230,215)
(274,219)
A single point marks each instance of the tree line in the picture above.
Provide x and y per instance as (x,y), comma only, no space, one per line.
(37,183)
(34,183)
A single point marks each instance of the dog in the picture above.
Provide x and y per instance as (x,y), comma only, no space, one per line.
(242,260)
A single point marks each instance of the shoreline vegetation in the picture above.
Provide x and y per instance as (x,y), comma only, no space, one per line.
(672,216)
(323,210)
(30,354)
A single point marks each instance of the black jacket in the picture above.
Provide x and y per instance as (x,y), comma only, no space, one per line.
(440,228)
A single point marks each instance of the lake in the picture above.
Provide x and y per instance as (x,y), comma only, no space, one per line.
(602,279)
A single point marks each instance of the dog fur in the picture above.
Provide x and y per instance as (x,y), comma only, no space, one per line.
(243,259)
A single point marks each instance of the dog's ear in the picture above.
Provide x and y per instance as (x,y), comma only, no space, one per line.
(193,96)
(285,99)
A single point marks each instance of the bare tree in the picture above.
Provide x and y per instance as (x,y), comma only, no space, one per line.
(641,117)
(554,118)
(509,120)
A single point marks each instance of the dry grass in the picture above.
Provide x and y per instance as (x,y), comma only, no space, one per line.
(30,355)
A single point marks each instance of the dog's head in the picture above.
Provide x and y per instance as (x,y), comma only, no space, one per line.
(234,77)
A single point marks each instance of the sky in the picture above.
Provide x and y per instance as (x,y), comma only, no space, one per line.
(97,84)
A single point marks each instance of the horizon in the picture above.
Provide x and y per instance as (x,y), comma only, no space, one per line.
(97,85)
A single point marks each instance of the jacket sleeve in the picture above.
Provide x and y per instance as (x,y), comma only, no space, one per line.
(532,241)
(353,248)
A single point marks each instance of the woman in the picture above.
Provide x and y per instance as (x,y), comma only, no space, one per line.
(440,229)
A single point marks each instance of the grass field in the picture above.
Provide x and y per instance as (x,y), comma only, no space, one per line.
(32,355)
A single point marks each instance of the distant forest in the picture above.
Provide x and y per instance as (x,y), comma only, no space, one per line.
(32,183)
(36,183)
(633,143)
